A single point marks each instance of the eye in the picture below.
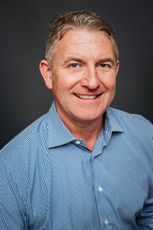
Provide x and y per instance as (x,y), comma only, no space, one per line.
(73,65)
(105,65)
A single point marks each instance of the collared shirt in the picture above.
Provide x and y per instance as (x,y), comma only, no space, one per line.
(50,180)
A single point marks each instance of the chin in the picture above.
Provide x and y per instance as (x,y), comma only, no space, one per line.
(89,118)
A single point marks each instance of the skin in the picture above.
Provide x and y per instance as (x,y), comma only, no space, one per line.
(82,78)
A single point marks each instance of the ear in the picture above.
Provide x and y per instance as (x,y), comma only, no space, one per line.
(117,66)
(46,73)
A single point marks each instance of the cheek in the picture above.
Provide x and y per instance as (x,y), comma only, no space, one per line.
(109,82)
(65,82)
(60,86)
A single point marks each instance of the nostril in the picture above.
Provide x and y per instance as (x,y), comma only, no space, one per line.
(91,83)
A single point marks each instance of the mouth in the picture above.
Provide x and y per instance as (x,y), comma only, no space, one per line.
(87,97)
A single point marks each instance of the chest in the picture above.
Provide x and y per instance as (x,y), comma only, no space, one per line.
(78,189)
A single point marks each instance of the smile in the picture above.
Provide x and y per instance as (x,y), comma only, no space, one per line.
(89,97)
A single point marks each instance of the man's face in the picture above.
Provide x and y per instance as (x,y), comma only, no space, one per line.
(83,76)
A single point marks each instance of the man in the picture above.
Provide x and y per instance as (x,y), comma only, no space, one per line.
(83,165)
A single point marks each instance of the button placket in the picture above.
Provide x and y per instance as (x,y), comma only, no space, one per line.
(100,189)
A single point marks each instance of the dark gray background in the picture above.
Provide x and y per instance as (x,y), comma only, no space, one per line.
(23,30)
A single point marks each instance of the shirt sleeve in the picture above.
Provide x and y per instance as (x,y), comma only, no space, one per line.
(12,211)
(145,220)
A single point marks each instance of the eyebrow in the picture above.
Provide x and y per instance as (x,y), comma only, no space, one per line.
(107,59)
(73,59)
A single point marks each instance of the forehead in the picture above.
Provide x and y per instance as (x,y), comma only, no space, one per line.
(83,42)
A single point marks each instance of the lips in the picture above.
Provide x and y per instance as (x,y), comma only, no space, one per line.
(87,97)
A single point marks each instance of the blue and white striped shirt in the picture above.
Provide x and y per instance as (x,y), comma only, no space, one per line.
(49,180)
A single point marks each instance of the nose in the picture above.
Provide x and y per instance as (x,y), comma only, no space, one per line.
(90,79)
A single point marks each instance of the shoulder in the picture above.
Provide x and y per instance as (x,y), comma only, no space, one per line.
(136,128)
(137,135)
(25,141)
(131,121)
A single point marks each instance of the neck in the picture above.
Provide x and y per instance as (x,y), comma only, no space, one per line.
(87,131)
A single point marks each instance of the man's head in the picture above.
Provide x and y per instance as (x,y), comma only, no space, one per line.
(81,67)
(74,20)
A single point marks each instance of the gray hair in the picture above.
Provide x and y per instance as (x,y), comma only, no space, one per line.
(76,19)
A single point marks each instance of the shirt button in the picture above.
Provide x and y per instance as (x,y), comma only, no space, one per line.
(106,221)
(100,189)
(107,133)
(77,142)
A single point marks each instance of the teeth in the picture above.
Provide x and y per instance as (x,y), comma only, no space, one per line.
(87,96)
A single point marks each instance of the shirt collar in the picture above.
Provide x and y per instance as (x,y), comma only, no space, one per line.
(58,134)
(112,121)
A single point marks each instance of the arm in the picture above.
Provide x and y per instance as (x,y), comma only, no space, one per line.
(12,213)
(145,220)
